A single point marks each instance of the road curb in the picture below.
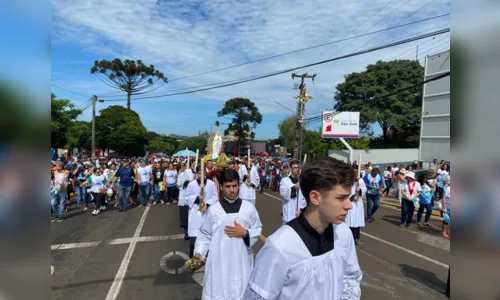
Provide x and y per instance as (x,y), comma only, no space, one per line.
(435,214)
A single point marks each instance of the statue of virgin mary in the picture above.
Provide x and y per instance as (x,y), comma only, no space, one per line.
(216,146)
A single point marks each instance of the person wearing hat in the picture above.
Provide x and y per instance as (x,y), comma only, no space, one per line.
(410,191)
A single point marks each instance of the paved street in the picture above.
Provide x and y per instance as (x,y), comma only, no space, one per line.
(139,254)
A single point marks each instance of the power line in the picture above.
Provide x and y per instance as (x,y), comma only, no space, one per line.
(396,92)
(401,42)
(71,91)
(308,48)
(372,26)
(359,26)
(406,17)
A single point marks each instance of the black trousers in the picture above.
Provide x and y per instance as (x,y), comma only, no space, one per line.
(407,210)
(183,216)
(98,200)
(170,193)
(356,232)
(192,241)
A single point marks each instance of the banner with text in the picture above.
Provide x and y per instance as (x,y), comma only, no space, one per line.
(340,125)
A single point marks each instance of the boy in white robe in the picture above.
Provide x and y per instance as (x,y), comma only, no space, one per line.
(293,200)
(248,187)
(230,229)
(356,216)
(313,256)
(185,177)
(194,199)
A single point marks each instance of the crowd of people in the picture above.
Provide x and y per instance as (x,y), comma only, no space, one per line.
(230,193)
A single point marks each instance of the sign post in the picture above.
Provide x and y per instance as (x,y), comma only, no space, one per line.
(341,125)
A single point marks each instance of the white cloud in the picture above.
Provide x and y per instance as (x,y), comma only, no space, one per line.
(186,37)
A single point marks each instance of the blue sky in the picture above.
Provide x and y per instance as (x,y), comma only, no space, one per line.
(186,37)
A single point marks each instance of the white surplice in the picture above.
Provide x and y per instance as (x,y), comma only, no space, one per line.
(186,175)
(285,269)
(196,217)
(356,216)
(290,205)
(230,261)
(247,192)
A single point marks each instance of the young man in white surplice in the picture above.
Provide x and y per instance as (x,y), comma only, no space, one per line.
(230,229)
(194,199)
(293,200)
(185,177)
(356,216)
(313,256)
(248,186)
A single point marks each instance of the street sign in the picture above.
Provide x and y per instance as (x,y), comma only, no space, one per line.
(340,125)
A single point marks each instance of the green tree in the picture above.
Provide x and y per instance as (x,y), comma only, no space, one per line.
(62,113)
(132,77)
(243,116)
(362,92)
(193,143)
(287,131)
(80,135)
(121,129)
(160,144)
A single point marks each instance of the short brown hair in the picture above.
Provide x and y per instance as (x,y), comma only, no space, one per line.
(323,174)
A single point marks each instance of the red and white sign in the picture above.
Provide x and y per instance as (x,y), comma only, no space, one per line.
(340,125)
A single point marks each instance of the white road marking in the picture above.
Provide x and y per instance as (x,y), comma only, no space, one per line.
(160,238)
(118,241)
(434,241)
(402,279)
(52,269)
(122,271)
(406,250)
(74,245)
(272,196)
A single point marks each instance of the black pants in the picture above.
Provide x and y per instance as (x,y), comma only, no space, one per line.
(192,241)
(356,232)
(262,184)
(98,200)
(407,210)
(170,193)
(183,215)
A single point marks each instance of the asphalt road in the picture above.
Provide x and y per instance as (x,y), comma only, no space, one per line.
(140,254)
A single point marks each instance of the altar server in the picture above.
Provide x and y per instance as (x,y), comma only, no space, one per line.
(229,231)
(201,194)
(313,256)
(356,216)
(249,183)
(293,200)
(185,177)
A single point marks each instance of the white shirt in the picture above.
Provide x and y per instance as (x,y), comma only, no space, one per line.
(171,177)
(285,269)
(144,173)
(387,174)
(230,261)
(416,188)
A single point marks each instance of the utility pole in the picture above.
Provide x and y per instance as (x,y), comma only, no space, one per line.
(303,97)
(416,57)
(94,100)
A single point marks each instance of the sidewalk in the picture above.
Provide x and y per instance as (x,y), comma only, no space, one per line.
(391,201)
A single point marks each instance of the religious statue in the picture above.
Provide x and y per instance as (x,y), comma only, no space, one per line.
(216,145)
(215,151)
